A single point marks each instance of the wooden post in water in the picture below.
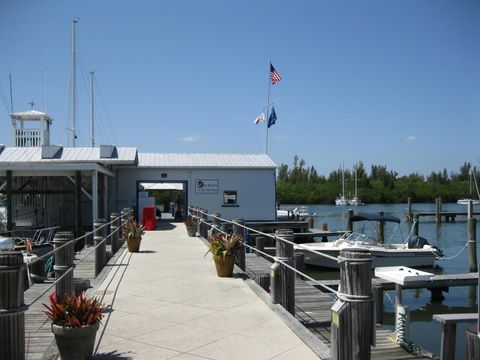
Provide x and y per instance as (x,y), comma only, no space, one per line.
(114,232)
(352,313)
(409,209)
(240,253)
(260,244)
(284,252)
(324,228)
(438,205)
(100,251)
(63,262)
(416,224)
(311,222)
(12,307)
(381,229)
(350,222)
(472,238)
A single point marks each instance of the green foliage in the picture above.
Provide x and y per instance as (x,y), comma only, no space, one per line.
(224,244)
(74,311)
(133,230)
(302,184)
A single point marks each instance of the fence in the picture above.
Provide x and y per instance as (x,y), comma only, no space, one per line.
(354,296)
(12,268)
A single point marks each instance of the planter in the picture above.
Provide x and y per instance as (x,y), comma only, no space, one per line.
(75,343)
(134,244)
(192,230)
(224,265)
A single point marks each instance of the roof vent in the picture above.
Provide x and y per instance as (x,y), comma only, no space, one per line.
(52,151)
(108,152)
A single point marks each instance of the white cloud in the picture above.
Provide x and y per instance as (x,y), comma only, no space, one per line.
(410,138)
(190,138)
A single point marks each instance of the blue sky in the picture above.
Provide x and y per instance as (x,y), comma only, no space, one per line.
(384,82)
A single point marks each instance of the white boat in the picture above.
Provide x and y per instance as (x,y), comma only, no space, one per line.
(466,200)
(342,200)
(355,201)
(416,252)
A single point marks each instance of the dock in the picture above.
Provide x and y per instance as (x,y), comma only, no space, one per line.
(313,310)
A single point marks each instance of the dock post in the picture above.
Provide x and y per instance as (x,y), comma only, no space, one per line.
(438,217)
(311,222)
(353,313)
(63,262)
(284,252)
(204,216)
(472,239)
(217,223)
(12,307)
(350,222)
(114,232)
(416,224)
(260,244)
(324,228)
(378,299)
(409,209)
(299,259)
(240,253)
(100,251)
(381,229)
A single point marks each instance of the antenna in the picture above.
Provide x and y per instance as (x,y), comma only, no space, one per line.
(32,104)
(74,85)
(92,133)
(46,90)
(11,96)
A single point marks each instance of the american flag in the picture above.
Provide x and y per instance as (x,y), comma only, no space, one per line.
(274,75)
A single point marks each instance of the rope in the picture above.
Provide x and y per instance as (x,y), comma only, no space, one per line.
(457,254)
(51,285)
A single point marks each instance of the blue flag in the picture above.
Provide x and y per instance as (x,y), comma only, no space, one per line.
(272,118)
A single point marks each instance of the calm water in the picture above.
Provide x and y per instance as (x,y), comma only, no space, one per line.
(450,237)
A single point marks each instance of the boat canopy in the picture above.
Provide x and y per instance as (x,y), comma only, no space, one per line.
(375,218)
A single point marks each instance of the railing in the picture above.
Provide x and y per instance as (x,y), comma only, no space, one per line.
(12,268)
(353,297)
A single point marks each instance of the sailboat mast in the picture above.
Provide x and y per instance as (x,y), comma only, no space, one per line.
(92,128)
(355,181)
(343,179)
(74,85)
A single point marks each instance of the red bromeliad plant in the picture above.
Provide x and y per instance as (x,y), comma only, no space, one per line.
(74,311)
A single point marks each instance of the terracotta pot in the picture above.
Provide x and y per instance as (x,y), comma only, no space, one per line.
(75,343)
(224,265)
(192,230)
(134,244)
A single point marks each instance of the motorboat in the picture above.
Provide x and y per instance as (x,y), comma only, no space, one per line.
(415,252)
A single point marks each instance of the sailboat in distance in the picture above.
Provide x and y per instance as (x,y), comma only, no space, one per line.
(355,201)
(342,200)
(466,200)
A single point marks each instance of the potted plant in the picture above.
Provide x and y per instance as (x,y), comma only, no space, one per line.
(191,225)
(133,232)
(75,321)
(223,247)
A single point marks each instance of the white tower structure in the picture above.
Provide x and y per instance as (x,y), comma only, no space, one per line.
(31,128)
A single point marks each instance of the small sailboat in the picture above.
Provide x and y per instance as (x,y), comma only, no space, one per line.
(355,201)
(342,200)
(466,200)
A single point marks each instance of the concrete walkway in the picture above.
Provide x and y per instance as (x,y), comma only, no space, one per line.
(168,303)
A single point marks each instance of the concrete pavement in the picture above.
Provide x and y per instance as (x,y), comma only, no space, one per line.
(168,303)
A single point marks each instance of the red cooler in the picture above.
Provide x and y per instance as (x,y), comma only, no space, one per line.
(148,217)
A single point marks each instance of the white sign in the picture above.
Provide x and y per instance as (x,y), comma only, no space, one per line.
(206,186)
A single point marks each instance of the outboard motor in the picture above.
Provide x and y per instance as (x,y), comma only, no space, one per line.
(417,242)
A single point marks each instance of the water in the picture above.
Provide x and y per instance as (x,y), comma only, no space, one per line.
(450,237)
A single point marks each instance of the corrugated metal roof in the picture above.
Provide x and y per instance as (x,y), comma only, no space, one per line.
(78,154)
(195,160)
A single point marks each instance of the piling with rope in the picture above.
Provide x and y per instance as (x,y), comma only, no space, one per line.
(98,240)
(238,228)
(285,295)
(63,246)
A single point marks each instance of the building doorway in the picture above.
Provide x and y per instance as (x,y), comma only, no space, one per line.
(170,199)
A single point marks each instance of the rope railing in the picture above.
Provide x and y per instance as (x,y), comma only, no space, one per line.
(79,261)
(30,263)
(275,259)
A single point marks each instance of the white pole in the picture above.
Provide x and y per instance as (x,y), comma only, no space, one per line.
(92,128)
(74,86)
(94,195)
(268,106)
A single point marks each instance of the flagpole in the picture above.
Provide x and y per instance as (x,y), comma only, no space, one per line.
(268,107)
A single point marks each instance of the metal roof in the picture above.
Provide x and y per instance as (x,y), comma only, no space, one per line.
(200,160)
(67,155)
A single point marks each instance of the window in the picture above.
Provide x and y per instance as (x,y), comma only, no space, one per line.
(230,198)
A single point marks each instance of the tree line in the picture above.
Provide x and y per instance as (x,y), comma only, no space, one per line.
(302,184)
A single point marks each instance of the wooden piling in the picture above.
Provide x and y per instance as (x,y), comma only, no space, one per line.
(12,307)
(216,222)
(9,200)
(114,232)
(63,262)
(284,252)
(260,244)
(311,222)
(416,224)
(100,251)
(473,343)
(350,222)
(381,229)
(352,314)
(204,226)
(472,244)
(438,217)
(324,228)
(299,260)
(409,209)
(240,253)
(378,299)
